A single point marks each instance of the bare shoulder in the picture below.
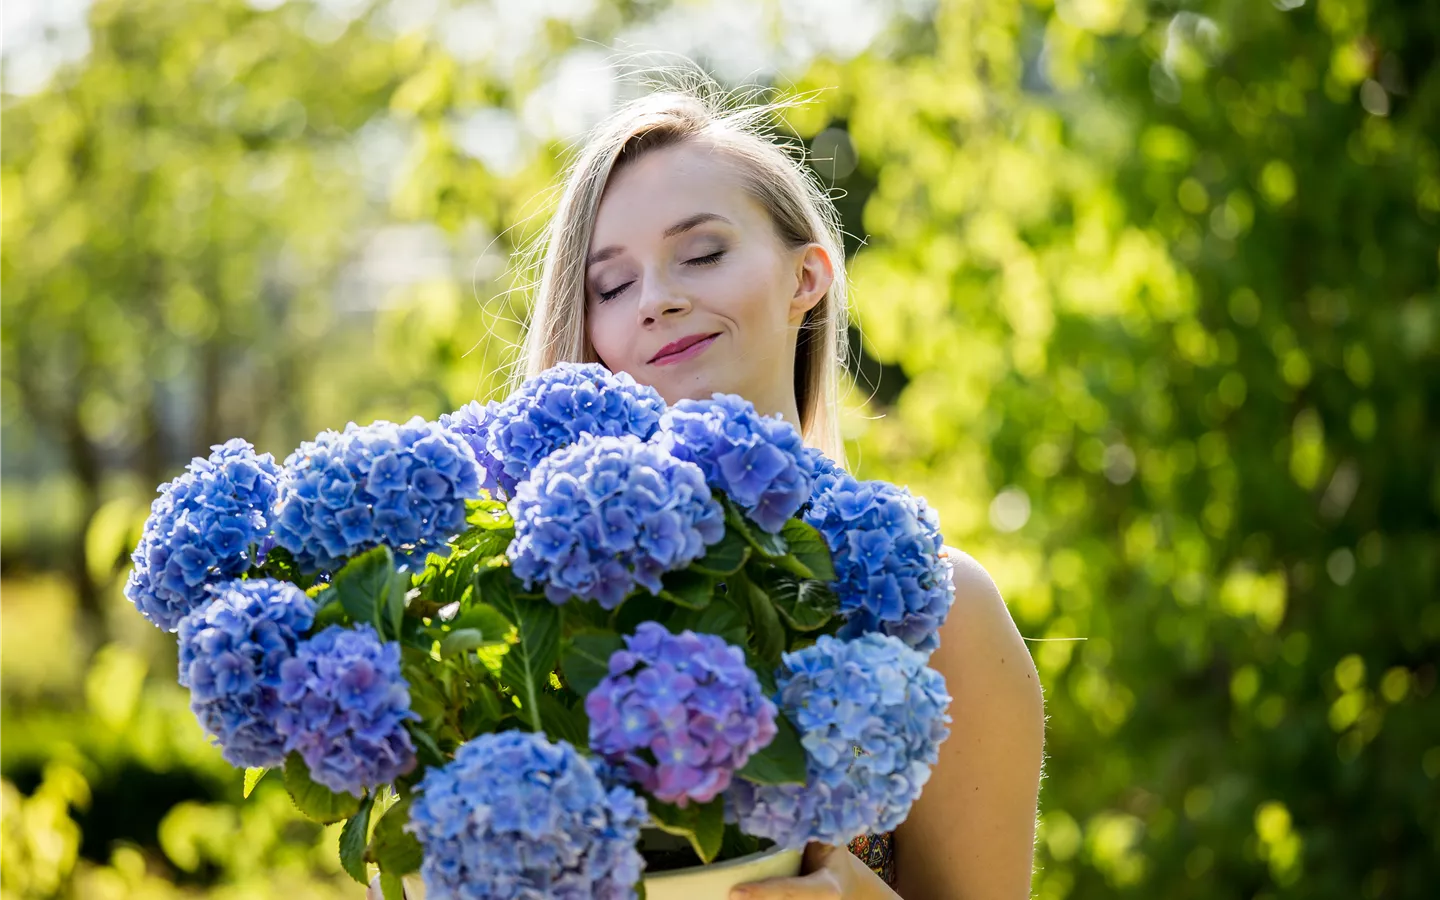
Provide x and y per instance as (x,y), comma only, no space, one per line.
(972,832)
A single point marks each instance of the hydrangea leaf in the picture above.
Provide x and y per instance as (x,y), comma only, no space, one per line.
(805,605)
(702,824)
(253,774)
(808,549)
(489,515)
(315,801)
(352,841)
(363,585)
(782,761)
(393,849)
(769,545)
(722,618)
(331,613)
(767,635)
(391,887)
(426,749)
(527,664)
(564,723)
(691,590)
(724,557)
(587,659)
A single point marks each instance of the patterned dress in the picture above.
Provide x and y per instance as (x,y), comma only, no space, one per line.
(878,852)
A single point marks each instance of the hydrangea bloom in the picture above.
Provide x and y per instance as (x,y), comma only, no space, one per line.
(682,712)
(200,531)
(472,423)
(231,651)
(759,461)
(404,486)
(598,517)
(515,816)
(551,411)
(871,717)
(886,544)
(345,707)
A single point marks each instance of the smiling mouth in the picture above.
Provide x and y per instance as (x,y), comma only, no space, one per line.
(685,351)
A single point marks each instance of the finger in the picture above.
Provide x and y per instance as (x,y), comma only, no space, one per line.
(817,886)
(817,855)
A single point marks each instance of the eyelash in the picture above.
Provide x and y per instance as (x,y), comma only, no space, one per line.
(710,260)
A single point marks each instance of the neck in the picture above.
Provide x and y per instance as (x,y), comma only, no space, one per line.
(781,401)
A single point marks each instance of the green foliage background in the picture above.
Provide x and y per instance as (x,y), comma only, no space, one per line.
(1147,306)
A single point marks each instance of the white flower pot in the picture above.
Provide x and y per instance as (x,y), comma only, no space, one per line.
(712,882)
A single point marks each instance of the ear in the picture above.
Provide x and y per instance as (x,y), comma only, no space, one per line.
(814,273)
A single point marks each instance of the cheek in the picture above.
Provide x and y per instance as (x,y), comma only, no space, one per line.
(607,336)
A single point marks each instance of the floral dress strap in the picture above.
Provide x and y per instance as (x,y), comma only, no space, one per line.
(878,852)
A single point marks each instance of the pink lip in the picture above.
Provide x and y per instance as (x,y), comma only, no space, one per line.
(685,348)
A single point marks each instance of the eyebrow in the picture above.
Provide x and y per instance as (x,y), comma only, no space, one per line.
(679,227)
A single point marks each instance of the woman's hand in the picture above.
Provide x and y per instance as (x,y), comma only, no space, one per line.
(828,876)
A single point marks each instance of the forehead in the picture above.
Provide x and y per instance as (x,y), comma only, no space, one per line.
(667,185)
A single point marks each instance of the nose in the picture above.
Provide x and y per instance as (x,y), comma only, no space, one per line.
(659,299)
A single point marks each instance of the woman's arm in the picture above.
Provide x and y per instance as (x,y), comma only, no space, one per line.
(971,835)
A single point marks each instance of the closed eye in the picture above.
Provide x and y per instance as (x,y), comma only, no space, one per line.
(710,259)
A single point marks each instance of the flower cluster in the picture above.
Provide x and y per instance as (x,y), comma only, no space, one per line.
(471,423)
(551,411)
(682,712)
(200,531)
(344,709)
(607,513)
(759,461)
(886,544)
(514,815)
(871,717)
(231,651)
(404,486)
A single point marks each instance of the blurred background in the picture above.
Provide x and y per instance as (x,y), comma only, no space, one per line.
(1146,302)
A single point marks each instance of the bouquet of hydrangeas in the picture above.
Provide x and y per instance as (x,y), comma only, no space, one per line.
(517,648)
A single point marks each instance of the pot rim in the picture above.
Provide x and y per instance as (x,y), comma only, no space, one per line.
(720,866)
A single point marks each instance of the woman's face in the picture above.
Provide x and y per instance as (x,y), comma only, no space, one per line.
(688,287)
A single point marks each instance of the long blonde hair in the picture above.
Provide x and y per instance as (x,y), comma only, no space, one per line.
(798,205)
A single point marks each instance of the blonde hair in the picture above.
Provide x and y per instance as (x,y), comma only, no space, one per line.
(797,204)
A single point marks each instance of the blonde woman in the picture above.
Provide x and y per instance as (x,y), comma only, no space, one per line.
(694,253)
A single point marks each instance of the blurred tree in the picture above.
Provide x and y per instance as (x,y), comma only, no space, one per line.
(1162,284)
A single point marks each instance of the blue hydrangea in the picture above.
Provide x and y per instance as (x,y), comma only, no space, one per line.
(345,708)
(231,651)
(515,816)
(826,471)
(201,531)
(403,486)
(605,514)
(472,423)
(760,462)
(871,716)
(886,544)
(681,712)
(551,411)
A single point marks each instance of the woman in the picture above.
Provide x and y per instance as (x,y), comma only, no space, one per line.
(693,253)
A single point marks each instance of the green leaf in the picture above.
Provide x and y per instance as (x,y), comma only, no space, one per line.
(315,801)
(391,887)
(587,659)
(353,839)
(484,618)
(527,664)
(252,778)
(490,515)
(393,613)
(725,557)
(393,849)
(426,749)
(702,824)
(565,723)
(330,613)
(461,641)
(363,586)
(805,605)
(782,761)
(767,635)
(769,545)
(808,548)
(722,618)
(688,589)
